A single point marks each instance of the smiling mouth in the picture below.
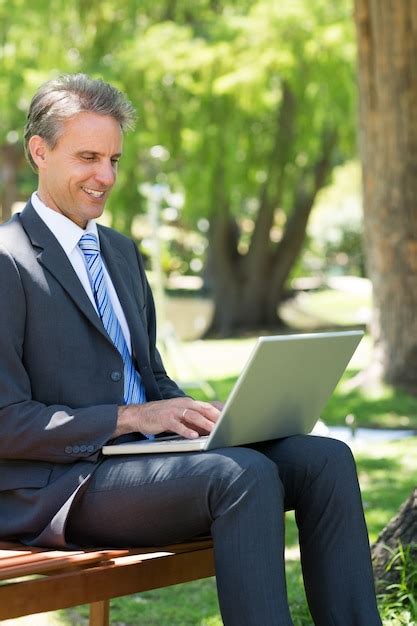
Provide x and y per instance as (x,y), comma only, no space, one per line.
(94,193)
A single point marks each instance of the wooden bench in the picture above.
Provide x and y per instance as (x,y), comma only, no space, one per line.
(61,579)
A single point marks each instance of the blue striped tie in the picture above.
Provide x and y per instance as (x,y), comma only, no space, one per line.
(134,391)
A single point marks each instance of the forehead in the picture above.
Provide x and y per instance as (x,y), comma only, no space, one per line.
(91,132)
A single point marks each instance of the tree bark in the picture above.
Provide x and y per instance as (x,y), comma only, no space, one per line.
(387,48)
(401,530)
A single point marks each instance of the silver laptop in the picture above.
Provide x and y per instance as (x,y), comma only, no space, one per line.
(280,392)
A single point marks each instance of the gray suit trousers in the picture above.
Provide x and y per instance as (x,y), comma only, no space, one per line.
(240,495)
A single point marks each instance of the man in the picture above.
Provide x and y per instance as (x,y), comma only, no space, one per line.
(79,368)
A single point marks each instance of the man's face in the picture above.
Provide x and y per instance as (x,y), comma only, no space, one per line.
(77,175)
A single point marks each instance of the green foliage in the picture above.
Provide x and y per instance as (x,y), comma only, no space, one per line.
(336,225)
(207,79)
(214,90)
(243,108)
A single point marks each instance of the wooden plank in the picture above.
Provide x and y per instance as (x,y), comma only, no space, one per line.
(103,582)
(26,562)
(49,562)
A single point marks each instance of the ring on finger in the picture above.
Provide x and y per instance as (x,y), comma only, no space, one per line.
(184,412)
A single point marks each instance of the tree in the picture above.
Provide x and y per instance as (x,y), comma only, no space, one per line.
(387,43)
(255,108)
(253,101)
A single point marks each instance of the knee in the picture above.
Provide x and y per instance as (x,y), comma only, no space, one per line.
(312,457)
(335,461)
(249,468)
(245,479)
(335,451)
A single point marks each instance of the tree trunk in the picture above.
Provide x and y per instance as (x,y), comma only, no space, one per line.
(246,298)
(401,530)
(387,42)
(247,289)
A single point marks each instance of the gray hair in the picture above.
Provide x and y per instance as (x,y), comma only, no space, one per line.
(61,98)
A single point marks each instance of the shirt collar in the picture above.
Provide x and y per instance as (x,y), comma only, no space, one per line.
(66,231)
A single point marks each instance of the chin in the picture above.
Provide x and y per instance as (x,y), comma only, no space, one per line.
(94,211)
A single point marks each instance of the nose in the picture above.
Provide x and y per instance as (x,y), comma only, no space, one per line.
(106,173)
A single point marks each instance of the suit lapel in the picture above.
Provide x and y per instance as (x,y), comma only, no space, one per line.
(53,258)
(121,276)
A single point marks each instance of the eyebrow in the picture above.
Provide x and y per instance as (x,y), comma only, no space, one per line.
(94,153)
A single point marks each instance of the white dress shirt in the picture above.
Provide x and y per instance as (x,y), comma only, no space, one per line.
(68,235)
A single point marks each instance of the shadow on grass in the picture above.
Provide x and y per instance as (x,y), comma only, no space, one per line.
(387,475)
(385,407)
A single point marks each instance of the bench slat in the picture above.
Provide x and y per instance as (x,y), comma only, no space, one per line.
(30,561)
(16,567)
(104,581)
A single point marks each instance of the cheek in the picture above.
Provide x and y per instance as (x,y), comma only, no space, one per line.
(78,177)
(82,174)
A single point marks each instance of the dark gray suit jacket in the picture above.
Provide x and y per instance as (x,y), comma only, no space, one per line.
(60,382)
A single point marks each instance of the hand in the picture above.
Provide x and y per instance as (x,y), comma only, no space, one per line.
(183,416)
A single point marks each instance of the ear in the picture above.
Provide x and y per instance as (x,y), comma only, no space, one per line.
(38,150)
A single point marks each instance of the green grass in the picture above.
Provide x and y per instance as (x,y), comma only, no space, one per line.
(399,603)
(336,307)
(387,474)
(385,407)
(190,604)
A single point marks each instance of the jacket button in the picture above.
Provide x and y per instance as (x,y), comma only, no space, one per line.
(75,449)
(83,448)
(116,376)
(68,449)
(90,448)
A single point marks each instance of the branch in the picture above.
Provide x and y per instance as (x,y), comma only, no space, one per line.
(278,159)
(294,234)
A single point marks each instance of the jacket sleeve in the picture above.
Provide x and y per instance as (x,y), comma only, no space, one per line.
(30,429)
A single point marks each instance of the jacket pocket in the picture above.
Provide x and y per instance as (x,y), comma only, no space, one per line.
(23,475)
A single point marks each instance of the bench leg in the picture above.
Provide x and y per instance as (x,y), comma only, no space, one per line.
(99,613)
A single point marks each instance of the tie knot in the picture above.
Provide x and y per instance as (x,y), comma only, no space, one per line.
(89,244)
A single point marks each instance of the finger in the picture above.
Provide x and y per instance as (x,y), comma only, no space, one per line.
(218,405)
(194,419)
(184,430)
(208,410)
